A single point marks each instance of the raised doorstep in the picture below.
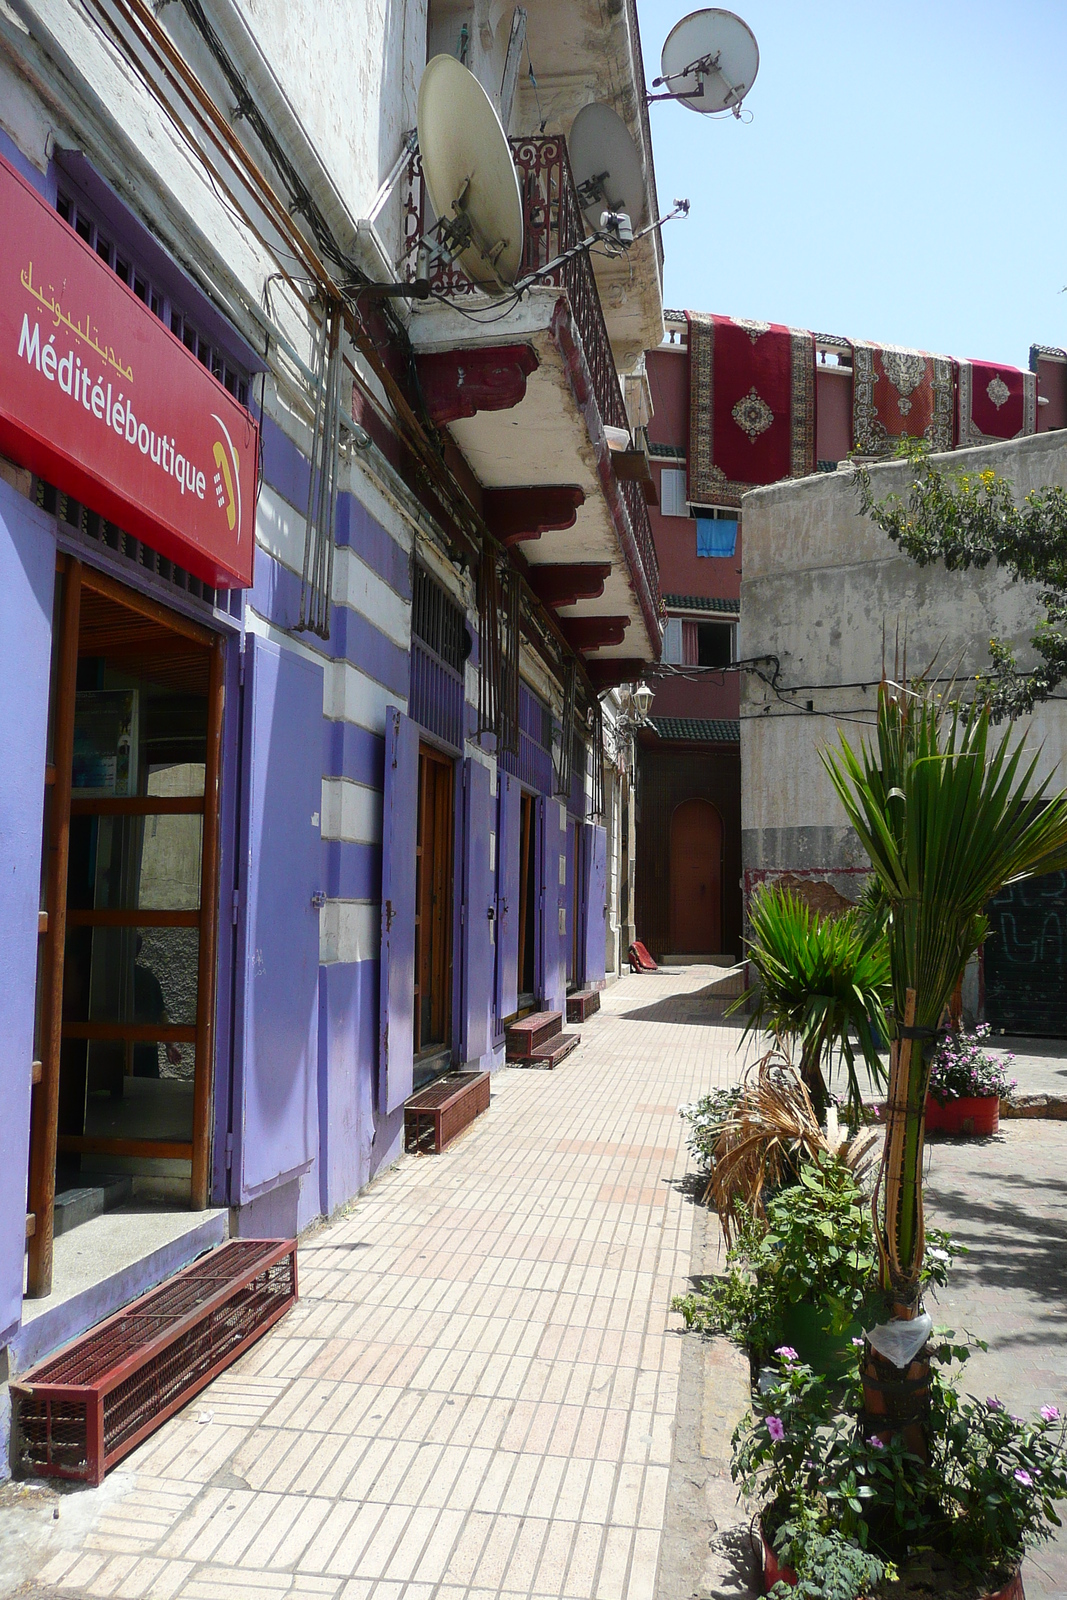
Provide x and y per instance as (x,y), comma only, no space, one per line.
(581,1006)
(434,1116)
(551,1054)
(524,1036)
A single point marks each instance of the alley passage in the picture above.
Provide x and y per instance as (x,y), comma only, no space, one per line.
(476,1393)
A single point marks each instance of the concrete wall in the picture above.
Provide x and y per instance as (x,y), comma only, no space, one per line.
(826,592)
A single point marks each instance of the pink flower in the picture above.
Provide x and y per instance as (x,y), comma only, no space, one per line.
(875,1442)
(1022,1476)
(859,1343)
(993,1403)
(787,1352)
(1050,1413)
(776,1429)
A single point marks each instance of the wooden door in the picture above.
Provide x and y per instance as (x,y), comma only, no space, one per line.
(433,901)
(131,891)
(696,878)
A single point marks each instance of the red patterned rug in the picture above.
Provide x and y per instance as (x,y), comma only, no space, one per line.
(901,393)
(751,406)
(995,403)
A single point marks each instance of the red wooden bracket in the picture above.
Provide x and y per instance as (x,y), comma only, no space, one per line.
(460,383)
(517,514)
(592,633)
(609,674)
(559,585)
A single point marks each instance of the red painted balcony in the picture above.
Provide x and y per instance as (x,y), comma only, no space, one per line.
(553,224)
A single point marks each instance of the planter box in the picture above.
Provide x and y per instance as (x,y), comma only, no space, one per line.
(974,1118)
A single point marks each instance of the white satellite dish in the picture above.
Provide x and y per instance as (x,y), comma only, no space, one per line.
(469,173)
(709,61)
(606,165)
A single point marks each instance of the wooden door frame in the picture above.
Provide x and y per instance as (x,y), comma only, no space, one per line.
(44,1119)
(444,831)
(526,811)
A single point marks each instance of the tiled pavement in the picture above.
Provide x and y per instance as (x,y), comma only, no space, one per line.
(476,1393)
(1005,1199)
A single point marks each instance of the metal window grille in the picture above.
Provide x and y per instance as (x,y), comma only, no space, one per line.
(566,739)
(93,526)
(489,661)
(439,647)
(438,621)
(97,237)
(596,803)
(511,638)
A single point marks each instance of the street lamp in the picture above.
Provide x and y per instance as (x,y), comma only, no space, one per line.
(642,704)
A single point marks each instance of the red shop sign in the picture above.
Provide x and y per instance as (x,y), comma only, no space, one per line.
(101,399)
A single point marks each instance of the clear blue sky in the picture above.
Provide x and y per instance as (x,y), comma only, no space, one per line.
(902,178)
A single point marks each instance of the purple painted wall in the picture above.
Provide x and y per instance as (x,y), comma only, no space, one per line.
(555,906)
(27,578)
(595,910)
(348,1046)
(276,1062)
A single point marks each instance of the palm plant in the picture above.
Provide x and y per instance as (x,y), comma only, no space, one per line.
(947,819)
(822,979)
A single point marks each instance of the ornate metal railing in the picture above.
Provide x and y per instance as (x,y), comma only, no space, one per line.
(553,224)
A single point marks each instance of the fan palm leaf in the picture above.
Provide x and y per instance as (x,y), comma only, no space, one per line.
(821,981)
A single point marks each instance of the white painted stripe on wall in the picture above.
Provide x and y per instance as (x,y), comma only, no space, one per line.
(350,930)
(357,586)
(353,697)
(351,811)
(280,530)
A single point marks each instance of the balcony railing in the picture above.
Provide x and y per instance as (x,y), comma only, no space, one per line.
(553,224)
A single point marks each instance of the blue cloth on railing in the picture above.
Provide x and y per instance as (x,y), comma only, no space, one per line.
(716,536)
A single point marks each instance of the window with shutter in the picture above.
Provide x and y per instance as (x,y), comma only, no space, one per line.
(672,500)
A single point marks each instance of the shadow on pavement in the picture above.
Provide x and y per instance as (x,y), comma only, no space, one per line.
(705,1005)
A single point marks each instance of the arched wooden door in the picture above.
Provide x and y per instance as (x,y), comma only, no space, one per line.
(696,879)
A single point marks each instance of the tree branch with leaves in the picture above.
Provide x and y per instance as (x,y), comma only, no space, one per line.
(970,520)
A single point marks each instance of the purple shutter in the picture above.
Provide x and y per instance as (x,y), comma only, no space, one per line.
(508,843)
(27,580)
(400,809)
(596,902)
(276,1064)
(478,913)
(555,915)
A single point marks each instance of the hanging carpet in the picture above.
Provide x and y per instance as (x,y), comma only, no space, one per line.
(901,393)
(995,403)
(751,406)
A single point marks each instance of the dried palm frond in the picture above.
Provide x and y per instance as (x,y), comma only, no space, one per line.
(771,1131)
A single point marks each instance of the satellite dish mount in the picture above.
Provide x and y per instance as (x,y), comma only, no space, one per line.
(709,63)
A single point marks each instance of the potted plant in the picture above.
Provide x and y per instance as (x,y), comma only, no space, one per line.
(967,1085)
(843,1512)
(799,1277)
